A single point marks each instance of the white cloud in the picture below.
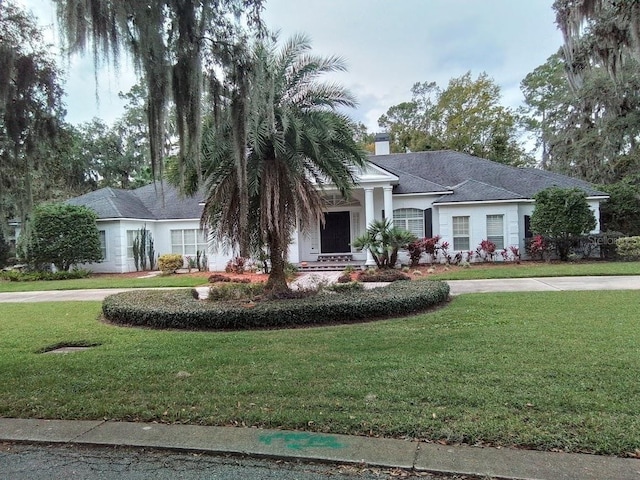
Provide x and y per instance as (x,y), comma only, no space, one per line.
(388,46)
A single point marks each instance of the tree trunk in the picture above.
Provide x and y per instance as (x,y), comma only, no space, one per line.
(277,282)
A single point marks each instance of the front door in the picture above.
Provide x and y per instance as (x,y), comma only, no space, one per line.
(335,236)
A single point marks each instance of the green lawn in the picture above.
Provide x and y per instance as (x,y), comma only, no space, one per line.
(475,271)
(103,281)
(539,370)
(535,269)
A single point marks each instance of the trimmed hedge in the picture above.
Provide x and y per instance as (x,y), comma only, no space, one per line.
(342,287)
(178,309)
(16,276)
(218,278)
(382,275)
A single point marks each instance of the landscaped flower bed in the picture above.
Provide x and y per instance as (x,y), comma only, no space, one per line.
(178,309)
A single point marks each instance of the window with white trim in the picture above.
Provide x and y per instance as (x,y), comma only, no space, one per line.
(188,241)
(460,230)
(495,230)
(409,219)
(131,235)
(102,235)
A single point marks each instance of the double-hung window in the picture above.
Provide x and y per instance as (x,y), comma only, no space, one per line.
(409,219)
(131,235)
(460,228)
(188,242)
(102,235)
(495,230)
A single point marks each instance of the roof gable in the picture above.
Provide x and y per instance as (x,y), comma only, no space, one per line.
(156,201)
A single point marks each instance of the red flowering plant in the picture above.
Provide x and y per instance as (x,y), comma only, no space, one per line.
(429,246)
(486,250)
(538,247)
(515,253)
(415,252)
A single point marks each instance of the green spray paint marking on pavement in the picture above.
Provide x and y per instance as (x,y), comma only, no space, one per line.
(301,441)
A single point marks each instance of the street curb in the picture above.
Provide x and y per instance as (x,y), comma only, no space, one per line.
(318,447)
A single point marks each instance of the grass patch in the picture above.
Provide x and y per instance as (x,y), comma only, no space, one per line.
(103,281)
(534,269)
(475,271)
(545,370)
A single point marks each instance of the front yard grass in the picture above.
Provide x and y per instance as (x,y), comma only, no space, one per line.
(105,281)
(534,269)
(475,271)
(545,370)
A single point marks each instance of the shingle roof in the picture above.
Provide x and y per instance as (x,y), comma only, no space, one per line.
(156,201)
(474,191)
(470,178)
(452,171)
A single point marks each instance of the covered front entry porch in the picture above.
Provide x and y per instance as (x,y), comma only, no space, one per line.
(346,219)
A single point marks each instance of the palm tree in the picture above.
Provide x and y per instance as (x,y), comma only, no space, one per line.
(383,241)
(297,142)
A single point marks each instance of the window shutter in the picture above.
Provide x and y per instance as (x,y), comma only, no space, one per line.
(428,223)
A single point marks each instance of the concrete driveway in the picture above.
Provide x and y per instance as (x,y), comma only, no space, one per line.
(96,294)
(545,284)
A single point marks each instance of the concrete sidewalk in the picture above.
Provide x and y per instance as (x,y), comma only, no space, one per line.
(281,444)
(538,284)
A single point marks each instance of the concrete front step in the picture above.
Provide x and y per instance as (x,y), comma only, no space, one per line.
(335,257)
(328,266)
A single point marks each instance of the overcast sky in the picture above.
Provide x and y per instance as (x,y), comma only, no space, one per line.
(388,46)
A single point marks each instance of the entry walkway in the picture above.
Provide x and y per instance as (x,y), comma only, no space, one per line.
(537,284)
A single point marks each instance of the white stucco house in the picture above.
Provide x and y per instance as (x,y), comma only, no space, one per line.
(462,198)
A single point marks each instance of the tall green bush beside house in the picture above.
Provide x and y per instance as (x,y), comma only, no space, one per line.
(563,216)
(63,235)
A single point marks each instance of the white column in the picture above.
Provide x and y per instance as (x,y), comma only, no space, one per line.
(388,203)
(369,217)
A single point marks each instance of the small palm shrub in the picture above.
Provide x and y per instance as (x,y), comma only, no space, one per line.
(384,242)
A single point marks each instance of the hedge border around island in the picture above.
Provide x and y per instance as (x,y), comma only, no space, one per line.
(180,310)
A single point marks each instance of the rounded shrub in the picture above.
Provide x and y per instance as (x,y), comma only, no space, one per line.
(170,262)
(178,308)
(628,248)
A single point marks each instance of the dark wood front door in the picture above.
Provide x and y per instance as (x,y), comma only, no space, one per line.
(335,236)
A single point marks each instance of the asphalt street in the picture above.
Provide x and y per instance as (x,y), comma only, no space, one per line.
(65,462)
